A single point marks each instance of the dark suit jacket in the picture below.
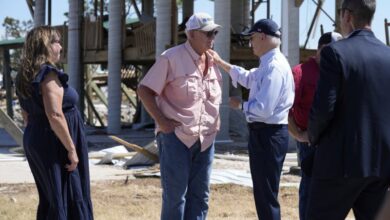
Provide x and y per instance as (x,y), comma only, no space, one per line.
(350,116)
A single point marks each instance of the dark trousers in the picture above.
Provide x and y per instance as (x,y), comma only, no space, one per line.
(267,149)
(304,150)
(334,198)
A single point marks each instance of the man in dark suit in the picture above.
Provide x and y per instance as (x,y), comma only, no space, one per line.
(350,121)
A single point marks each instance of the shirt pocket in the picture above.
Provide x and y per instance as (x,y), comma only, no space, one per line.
(186,87)
(215,91)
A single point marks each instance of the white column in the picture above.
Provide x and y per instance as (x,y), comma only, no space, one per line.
(290,31)
(163,25)
(114,65)
(74,47)
(39,13)
(222,12)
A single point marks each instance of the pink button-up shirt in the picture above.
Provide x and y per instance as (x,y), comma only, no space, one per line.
(185,95)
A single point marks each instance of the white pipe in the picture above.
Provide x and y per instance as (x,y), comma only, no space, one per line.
(114,65)
(222,12)
(163,25)
(74,46)
(285,25)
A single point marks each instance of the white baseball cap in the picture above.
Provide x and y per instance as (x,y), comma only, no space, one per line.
(201,21)
(329,37)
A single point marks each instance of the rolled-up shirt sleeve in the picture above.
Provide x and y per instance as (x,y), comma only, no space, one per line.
(242,76)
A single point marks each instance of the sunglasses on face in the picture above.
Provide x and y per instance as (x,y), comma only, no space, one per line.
(210,34)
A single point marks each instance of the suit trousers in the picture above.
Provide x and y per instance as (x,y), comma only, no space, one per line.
(267,149)
(333,198)
(304,150)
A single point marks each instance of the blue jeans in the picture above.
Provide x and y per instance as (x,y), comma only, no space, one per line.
(304,187)
(267,150)
(185,178)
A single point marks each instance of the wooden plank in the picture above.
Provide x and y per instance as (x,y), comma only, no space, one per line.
(10,126)
(137,148)
(92,107)
(128,95)
(99,155)
(98,92)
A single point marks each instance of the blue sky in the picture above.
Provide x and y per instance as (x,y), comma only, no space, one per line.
(18,9)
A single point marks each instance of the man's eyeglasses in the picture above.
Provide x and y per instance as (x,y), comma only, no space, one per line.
(210,34)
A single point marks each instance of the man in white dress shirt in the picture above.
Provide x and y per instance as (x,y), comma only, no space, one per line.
(271,96)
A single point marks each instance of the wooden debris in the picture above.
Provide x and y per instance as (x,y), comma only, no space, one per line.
(98,155)
(137,148)
(10,126)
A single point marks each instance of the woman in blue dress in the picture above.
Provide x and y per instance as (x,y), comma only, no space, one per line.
(54,139)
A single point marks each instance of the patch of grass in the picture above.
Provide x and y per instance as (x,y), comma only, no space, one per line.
(141,199)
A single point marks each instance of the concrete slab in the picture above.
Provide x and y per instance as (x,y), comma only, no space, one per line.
(19,172)
(15,169)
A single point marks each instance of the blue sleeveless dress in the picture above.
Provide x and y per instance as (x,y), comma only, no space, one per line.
(63,195)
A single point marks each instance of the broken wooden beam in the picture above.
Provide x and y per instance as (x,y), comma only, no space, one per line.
(137,148)
(10,126)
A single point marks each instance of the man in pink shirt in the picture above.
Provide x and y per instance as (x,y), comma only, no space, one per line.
(182,92)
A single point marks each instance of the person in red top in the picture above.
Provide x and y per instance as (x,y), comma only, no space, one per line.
(305,79)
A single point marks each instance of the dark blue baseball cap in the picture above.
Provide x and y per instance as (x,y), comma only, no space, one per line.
(266,26)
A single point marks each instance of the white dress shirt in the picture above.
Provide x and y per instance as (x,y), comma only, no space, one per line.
(271,87)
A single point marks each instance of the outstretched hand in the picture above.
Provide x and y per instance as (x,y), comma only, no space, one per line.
(219,61)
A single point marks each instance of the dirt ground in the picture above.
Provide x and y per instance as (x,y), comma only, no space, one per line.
(140,199)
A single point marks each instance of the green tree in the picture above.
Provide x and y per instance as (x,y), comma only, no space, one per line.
(15,29)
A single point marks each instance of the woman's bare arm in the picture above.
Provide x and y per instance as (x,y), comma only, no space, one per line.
(52,92)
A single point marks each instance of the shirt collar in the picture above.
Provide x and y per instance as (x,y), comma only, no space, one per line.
(195,56)
(269,54)
(355,32)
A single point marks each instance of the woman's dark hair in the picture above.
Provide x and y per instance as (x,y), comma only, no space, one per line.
(36,51)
